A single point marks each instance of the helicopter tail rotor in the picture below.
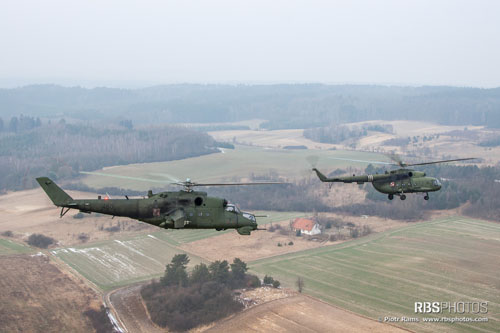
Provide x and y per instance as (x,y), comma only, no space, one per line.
(313,160)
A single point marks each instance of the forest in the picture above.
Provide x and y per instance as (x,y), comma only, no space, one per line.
(281,106)
(340,133)
(182,300)
(60,150)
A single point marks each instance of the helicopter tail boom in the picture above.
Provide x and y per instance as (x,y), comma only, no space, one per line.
(321,176)
(55,193)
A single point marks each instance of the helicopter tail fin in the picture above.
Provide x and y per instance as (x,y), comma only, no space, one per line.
(55,193)
(321,176)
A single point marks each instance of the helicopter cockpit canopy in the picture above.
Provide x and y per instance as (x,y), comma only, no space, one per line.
(436,182)
(232,208)
(249,216)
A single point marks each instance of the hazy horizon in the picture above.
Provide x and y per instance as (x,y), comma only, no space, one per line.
(128,44)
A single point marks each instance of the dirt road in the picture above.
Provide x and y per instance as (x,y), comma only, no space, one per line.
(126,303)
(298,313)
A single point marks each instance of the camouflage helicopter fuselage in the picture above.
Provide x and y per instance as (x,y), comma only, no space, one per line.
(396,182)
(176,210)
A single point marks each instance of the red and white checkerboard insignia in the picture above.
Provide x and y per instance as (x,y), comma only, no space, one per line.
(393,184)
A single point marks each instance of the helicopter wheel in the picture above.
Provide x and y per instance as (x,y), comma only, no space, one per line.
(426,197)
(390,196)
(402,197)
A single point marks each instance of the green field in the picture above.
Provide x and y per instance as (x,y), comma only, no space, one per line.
(8,246)
(177,237)
(114,263)
(240,162)
(454,259)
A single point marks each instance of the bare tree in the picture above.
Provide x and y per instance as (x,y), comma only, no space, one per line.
(300,284)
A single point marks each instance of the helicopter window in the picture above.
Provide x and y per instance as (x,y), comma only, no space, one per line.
(198,201)
(249,216)
(436,182)
(230,208)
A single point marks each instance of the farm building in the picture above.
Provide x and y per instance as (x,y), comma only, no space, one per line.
(306,226)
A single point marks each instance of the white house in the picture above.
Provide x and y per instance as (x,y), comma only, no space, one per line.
(306,226)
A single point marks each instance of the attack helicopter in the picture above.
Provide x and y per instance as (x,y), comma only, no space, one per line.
(184,209)
(395,182)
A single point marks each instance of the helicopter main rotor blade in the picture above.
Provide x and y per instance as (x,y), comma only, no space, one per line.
(187,184)
(234,184)
(443,161)
(166,175)
(362,161)
(124,177)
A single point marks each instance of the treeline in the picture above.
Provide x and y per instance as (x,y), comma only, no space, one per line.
(301,196)
(478,187)
(306,196)
(334,133)
(340,133)
(62,150)
(18,124)
(182,300)
(282,106)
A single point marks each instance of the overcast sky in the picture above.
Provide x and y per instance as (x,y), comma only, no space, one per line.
(139,43)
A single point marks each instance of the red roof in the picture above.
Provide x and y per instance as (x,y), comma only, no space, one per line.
(303,224)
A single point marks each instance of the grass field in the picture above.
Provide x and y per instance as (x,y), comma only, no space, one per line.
(454,259)
(114,263)
(10,247)
(238,163)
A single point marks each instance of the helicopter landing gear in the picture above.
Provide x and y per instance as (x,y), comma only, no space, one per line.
(402,197)
(426,196)
(390,196)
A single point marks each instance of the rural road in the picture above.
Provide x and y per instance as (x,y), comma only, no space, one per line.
(128,309)
(299,313)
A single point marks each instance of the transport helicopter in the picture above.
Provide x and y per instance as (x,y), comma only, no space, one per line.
(184,209)
(395,182)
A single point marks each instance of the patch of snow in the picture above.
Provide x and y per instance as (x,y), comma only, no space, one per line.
(113,320)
